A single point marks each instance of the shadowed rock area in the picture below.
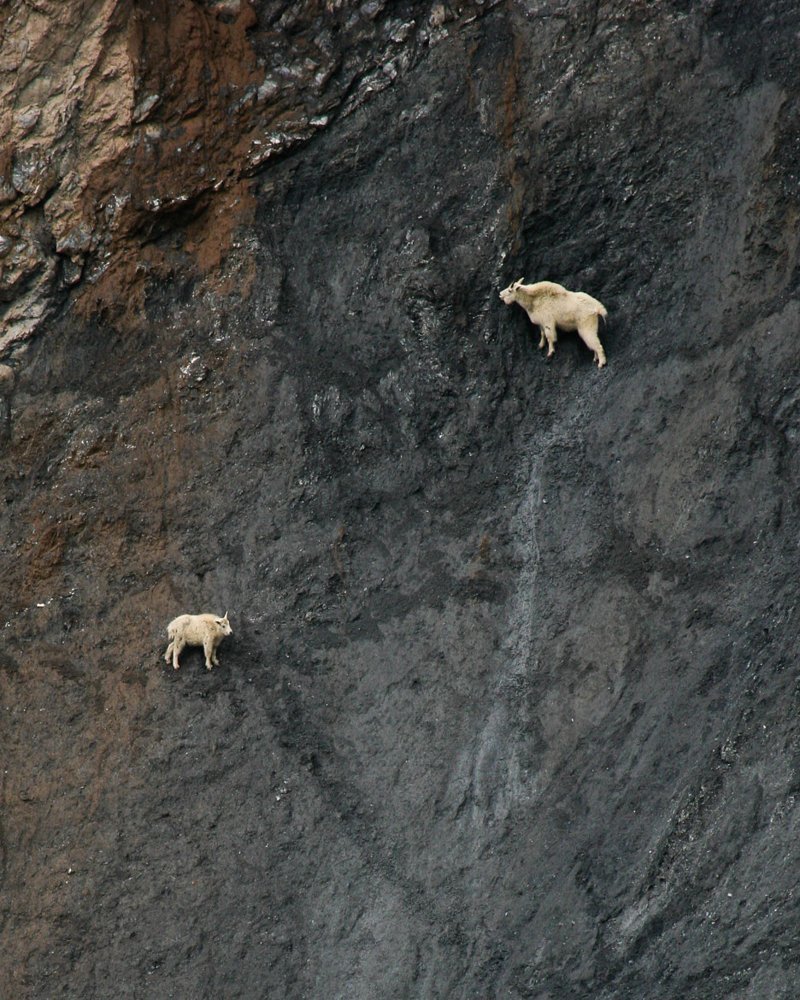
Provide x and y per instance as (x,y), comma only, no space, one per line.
(510,704)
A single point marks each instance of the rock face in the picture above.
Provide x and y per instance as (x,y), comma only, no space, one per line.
(510,704)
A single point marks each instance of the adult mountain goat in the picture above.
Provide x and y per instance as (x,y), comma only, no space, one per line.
(550,306)
(207,631)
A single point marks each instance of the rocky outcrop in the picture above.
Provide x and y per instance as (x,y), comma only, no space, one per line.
(509,707)
(123,122)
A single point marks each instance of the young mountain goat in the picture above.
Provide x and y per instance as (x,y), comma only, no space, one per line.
(207,631)
(549,305)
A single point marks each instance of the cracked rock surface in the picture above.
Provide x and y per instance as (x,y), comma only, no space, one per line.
(510,704)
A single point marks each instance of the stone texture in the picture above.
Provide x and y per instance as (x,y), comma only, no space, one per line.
(510,704)
(123,121)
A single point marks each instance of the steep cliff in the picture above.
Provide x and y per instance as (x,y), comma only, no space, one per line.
(510,705)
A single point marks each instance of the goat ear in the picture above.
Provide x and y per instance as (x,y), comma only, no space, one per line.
(519,282)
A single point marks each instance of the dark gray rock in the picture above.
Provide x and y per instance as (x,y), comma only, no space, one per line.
(510,705)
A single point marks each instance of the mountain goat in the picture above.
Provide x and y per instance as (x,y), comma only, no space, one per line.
(207,631)
(549,305)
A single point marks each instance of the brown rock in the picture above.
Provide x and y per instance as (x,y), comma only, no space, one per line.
(6,380)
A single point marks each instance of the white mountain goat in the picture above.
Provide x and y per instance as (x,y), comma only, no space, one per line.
(207,631)
(549,305)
